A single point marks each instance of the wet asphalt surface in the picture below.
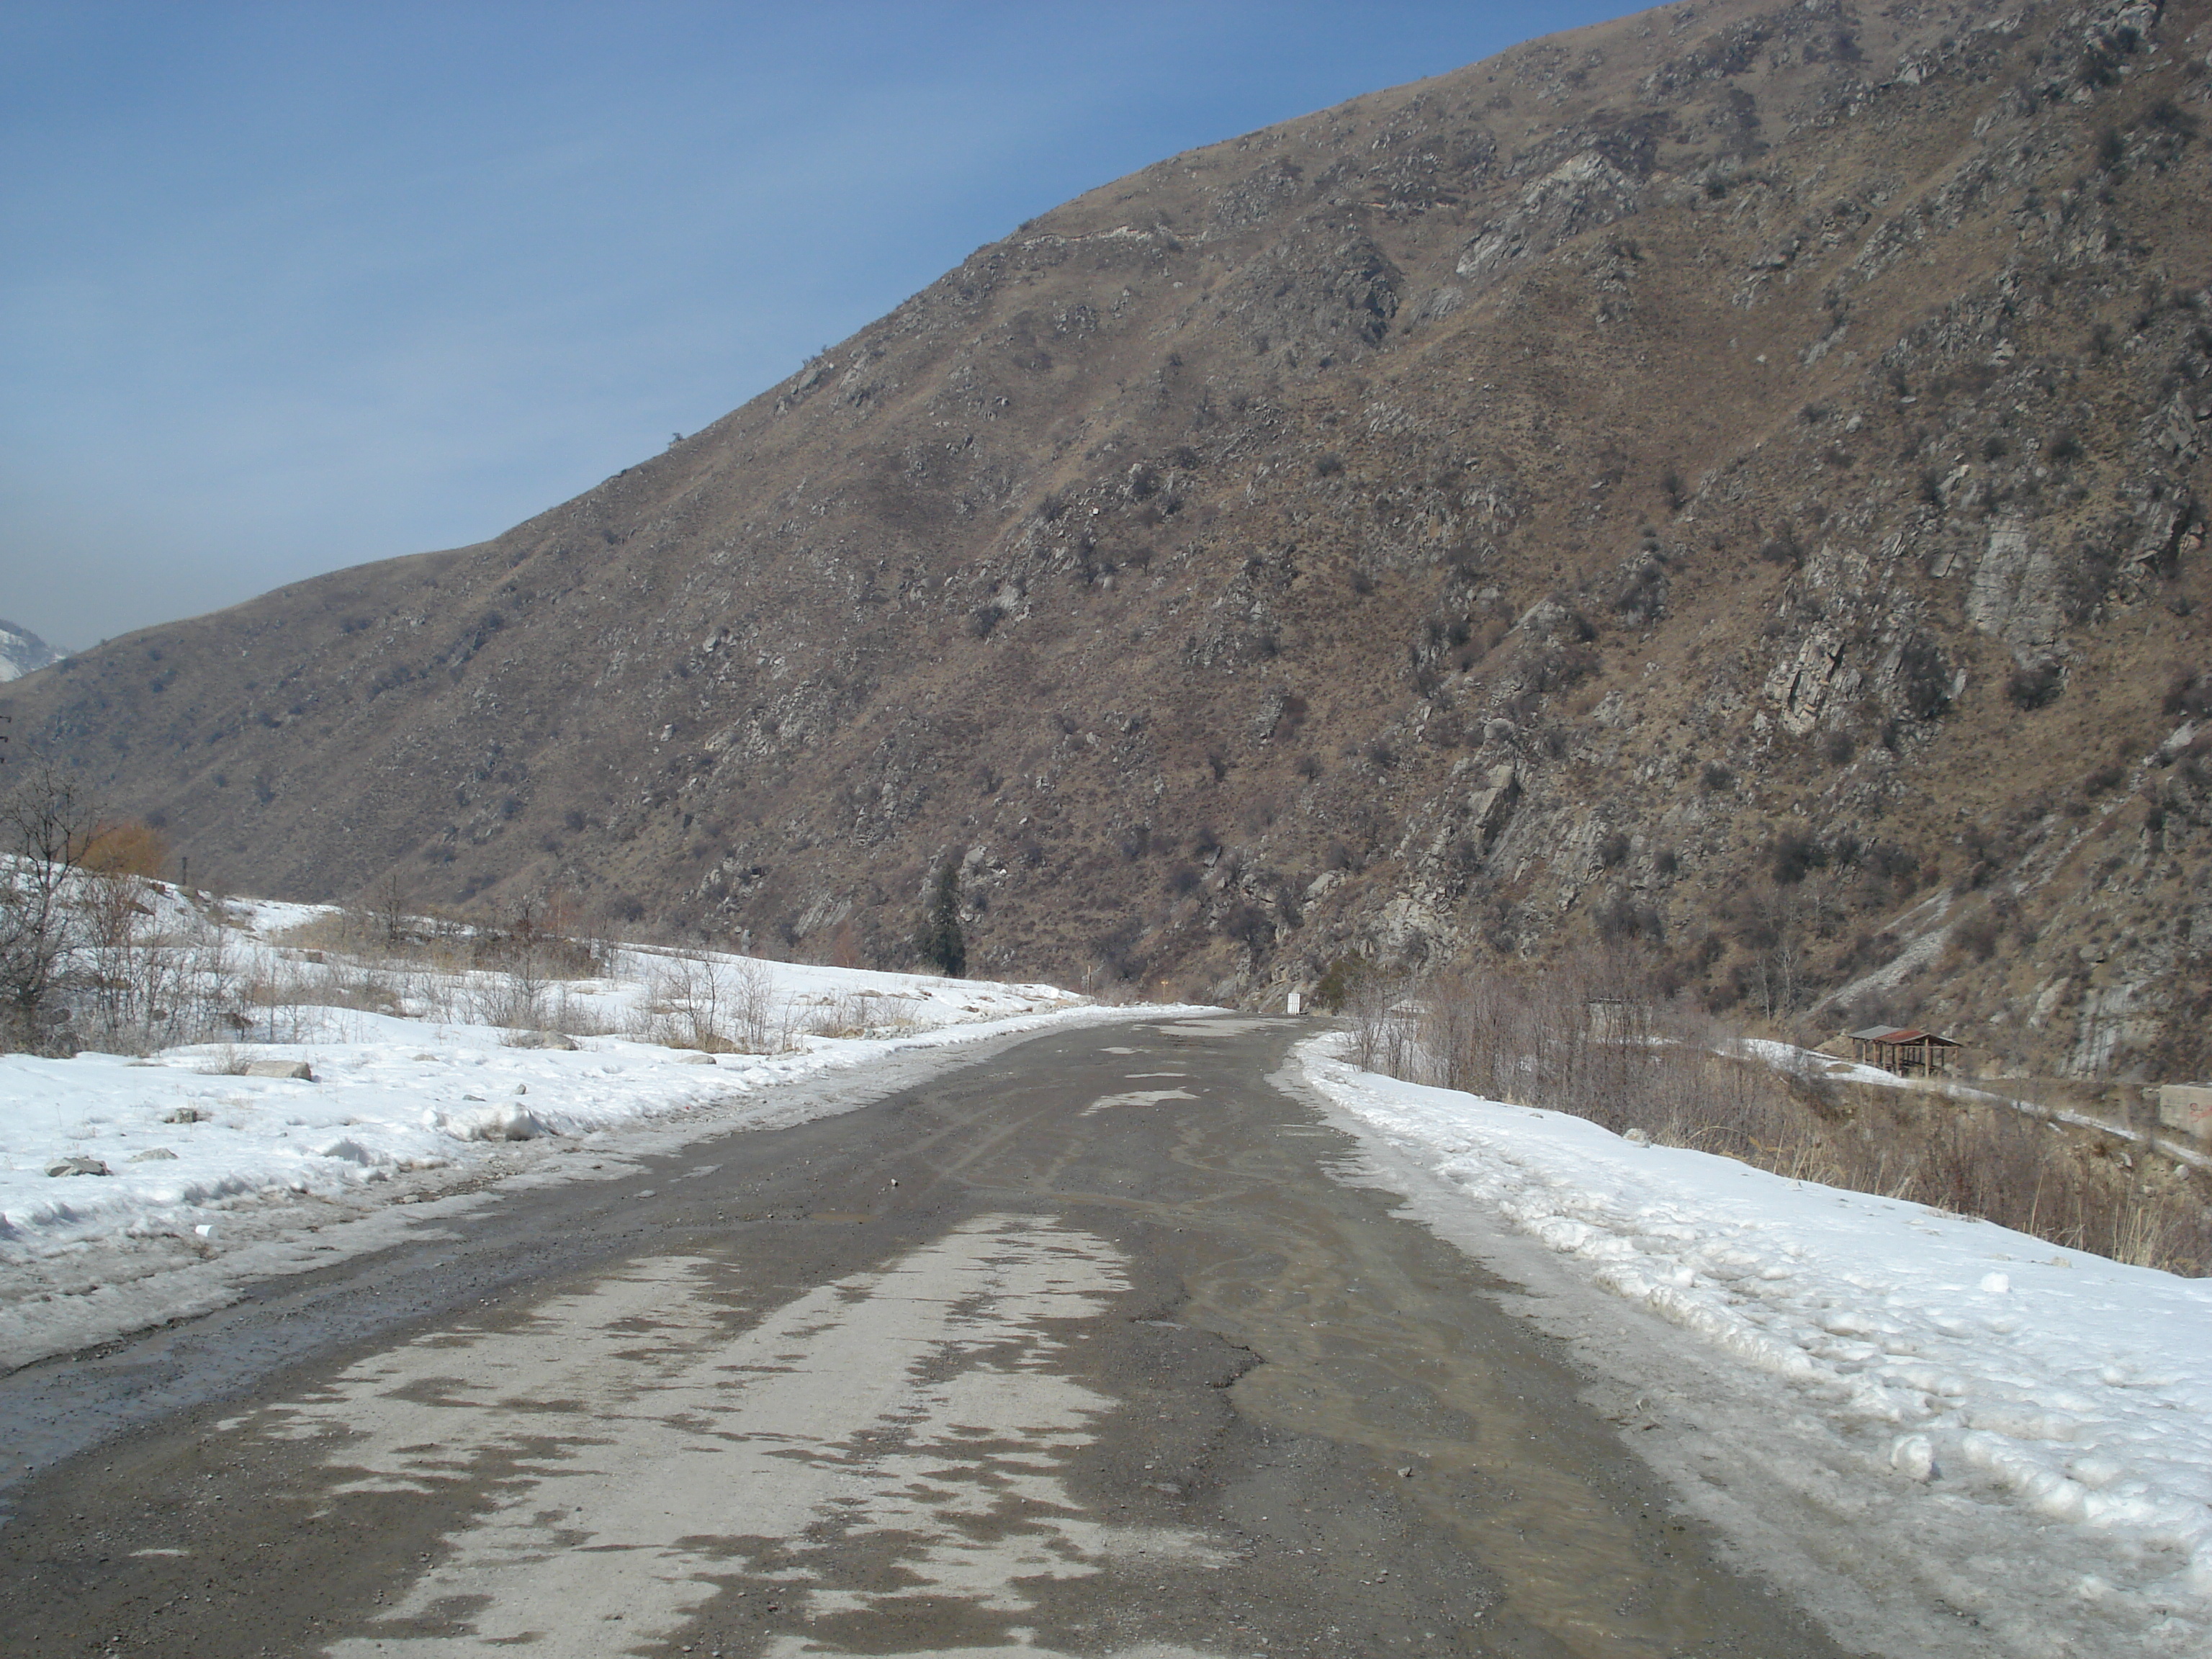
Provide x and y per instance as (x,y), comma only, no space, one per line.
(1378,1457)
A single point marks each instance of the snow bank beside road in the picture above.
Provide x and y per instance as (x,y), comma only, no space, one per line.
(180,1140)
(2052,1401)
(136,1190)
(105,1145)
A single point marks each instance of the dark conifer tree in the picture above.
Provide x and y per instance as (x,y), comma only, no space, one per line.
(939,941)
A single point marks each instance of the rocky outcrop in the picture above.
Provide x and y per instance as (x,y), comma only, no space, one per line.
(2016,593)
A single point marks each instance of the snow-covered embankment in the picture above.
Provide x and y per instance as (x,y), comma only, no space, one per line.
(1906,1403)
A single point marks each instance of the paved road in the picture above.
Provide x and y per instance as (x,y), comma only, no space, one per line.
(1079,1350)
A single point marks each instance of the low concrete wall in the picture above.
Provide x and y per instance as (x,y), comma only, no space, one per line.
(2186,1106)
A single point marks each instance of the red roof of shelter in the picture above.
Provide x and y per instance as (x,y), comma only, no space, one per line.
(1899,1035)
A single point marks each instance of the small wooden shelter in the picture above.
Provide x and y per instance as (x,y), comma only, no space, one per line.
(1900,1049)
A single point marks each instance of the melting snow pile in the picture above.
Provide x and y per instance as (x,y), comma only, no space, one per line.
(1980,1368)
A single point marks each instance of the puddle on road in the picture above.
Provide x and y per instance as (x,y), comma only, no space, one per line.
(646,1456)
(1135,1098)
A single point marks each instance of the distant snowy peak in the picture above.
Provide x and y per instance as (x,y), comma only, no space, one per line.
(22,651)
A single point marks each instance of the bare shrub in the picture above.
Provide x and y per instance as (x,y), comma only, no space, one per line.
(355,986)
(228,1060)
(581,1015)
(682,1008)
(1793,854)
(2039,686)
(515,1000)
(1925,680)
(1385,1024)
(522,957)
(130,987)
(727,1008)
(386,904)
(850,1014)
(547,953)
(754,1027)
(1975,936)
(1784,549)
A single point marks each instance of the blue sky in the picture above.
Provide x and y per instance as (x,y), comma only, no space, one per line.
(288,287)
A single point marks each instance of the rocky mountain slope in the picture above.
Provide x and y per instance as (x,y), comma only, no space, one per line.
(21,652)
(1725,483)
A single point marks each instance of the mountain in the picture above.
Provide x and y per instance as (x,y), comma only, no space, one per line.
(21,652)
(1725,484)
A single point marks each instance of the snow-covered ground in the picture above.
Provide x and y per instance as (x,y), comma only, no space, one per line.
(1877,1396)
(187,1156)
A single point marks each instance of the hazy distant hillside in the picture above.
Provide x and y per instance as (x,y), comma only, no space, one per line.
(22,651)
(1725,483)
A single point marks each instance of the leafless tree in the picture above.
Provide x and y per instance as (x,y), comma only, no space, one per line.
(46,820)
(390,904)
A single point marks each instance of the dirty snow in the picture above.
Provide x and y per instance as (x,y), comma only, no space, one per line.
(2021,1433)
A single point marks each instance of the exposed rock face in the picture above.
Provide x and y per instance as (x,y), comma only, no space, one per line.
(2017,592)
(1724,484)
